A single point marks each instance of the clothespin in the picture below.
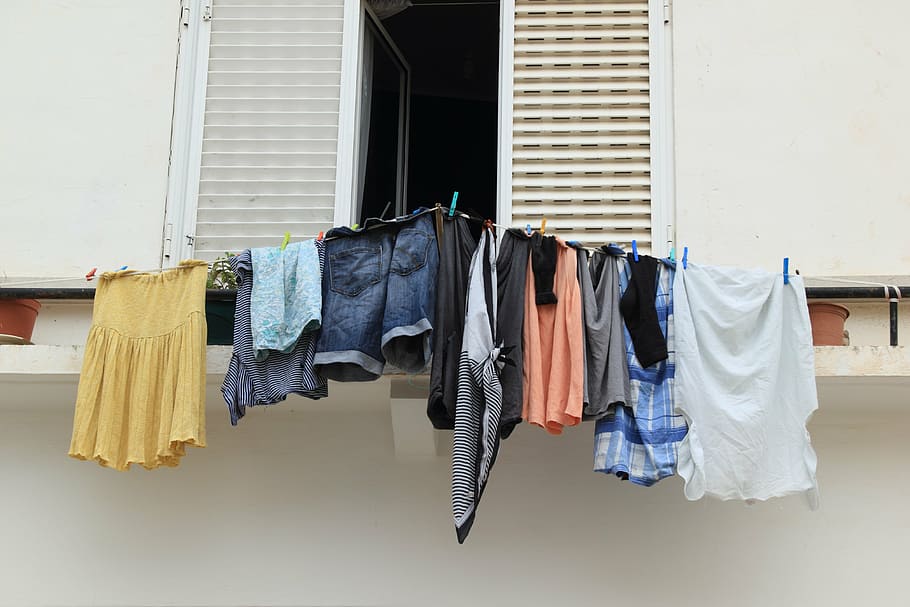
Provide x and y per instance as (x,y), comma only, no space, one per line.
(355,226)
(635,250)
(685,259)
(543,225)
(287,239)
(786,270)
(321,236)
(673,254)
(91,274)
(528,228)
(122,268)
(452,206)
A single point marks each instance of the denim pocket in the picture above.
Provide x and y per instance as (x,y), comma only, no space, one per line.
(410,252)
(355,270)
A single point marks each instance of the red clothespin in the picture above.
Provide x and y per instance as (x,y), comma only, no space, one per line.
(320,237)
(91,274)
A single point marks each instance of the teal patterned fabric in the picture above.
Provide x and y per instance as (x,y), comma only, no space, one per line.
(287,296)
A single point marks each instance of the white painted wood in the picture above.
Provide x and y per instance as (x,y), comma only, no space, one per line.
(505,155)
(582,124)
(271,134)
(348,110)
(663,191)
(186,134)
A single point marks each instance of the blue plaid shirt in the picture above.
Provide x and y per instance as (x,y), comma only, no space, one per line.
(641,441)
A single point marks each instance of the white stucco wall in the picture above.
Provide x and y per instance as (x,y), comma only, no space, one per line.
(306,504)
(791,134)
(85,121)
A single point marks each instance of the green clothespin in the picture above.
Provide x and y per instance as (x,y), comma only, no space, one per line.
(287,239)
(355,226)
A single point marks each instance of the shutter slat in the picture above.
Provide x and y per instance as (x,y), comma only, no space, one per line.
(581,120)
(310,10)
(273,51)
(261,118)
(271,123)
(219,104)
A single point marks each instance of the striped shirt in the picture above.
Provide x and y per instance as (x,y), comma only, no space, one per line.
(641,442)
(478,406)
(250,382)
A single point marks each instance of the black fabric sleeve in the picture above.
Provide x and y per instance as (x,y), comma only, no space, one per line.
(543,264)
(640,314)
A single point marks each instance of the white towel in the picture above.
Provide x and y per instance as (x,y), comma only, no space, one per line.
(745,381)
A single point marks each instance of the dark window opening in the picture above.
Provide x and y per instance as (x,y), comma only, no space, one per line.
(452,50)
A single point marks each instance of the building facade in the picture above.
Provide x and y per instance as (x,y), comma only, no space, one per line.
(140,133)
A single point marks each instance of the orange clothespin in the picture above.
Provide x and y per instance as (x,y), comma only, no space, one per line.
(320,237)
(543,225)
(91,274)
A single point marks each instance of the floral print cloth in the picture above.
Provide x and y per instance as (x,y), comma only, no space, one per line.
(287,296)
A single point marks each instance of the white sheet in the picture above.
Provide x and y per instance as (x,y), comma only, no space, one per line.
(745,381)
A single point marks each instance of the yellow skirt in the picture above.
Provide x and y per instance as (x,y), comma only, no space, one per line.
(141,395)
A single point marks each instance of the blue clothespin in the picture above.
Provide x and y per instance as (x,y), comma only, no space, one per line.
(635,250)
(786,270)
(685,259)
(452,206)
(673,254)
(528,228)
(121,268)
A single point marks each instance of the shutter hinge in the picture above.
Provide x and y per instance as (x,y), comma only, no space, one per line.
(184,13)
(667,11)
(168,239)
(190,240)
(207,10)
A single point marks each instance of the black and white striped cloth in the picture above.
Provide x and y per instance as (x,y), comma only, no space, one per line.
(478,407)
(250,382)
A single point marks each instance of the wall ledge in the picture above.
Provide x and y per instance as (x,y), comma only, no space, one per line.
(32,362)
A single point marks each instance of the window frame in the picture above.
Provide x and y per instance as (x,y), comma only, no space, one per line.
(189,115)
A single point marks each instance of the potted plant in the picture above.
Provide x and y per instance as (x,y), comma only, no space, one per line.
(219,314)
(827,323)
(17,320)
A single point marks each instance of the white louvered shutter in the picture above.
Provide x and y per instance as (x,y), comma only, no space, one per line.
(271,123)
(581,120)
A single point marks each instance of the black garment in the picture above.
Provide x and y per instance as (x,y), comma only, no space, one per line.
(543,264)
(639,312)
(456,246)
(511,277)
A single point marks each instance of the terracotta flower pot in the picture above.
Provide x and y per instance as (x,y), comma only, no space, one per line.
(18,316)
(827,323)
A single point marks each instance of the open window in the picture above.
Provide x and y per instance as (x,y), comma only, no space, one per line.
(298,115)
(428,107)
(382,160)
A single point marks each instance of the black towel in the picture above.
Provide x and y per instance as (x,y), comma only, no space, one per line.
(639,313)
(543,264)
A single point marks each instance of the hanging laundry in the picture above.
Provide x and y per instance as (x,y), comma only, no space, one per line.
(640,442)
(637,308)
(456,247)
(479,405)
(249,381)
(141,396)
(287,296)
(543,264)
(606,367)
(378,298)
(554,372)
(511,277)
(746,384)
